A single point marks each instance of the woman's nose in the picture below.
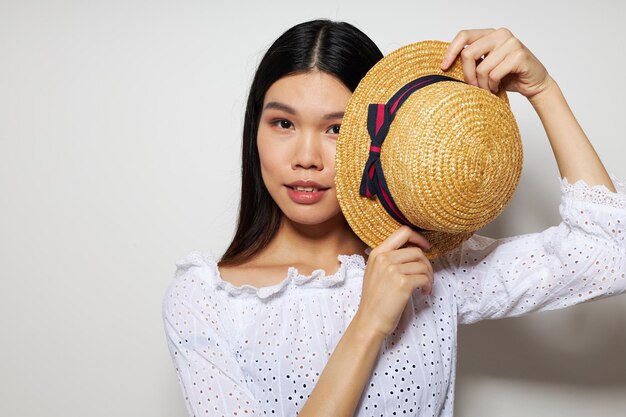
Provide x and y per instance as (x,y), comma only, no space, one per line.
(308,152)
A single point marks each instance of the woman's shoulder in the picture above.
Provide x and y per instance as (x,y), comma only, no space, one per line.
(201,267)
(196,267)
(191,298)
(195,275)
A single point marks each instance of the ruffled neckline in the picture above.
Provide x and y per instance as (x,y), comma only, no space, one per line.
(294,279)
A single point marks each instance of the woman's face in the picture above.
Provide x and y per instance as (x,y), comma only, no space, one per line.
(296,140)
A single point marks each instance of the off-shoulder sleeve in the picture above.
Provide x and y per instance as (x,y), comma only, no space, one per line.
(581,259)
(209,375)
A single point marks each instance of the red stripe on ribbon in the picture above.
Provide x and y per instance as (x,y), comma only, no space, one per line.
(380,117)
(391,205)
(393,108)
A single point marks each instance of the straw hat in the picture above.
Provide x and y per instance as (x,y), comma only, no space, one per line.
(449,162)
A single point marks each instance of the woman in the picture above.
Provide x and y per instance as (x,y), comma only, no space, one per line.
(268,331)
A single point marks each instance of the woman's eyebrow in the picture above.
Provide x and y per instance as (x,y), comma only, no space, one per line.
(288,109)
(335,115)
(280,106)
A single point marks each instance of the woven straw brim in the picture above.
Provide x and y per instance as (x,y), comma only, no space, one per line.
(452,158)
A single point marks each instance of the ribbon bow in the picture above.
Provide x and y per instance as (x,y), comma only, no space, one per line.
(378,122)
(379,118)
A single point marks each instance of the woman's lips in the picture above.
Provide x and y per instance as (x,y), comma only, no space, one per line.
(305,192)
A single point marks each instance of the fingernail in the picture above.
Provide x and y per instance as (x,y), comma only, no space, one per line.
(444,64)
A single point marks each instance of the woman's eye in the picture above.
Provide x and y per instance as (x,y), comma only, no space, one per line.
(284,124)
(334,129)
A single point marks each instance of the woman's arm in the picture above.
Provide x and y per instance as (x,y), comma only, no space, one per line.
(393,273)
(341,384)
(581,259)
(494,59)
(210,378)
(214,383)
(575,157)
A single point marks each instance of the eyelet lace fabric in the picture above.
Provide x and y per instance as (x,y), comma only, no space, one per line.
(597,194)
(260,351)
(294,279)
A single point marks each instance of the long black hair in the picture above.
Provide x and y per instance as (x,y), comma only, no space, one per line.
(337,48)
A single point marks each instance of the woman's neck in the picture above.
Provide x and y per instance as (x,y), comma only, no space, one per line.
(313,244)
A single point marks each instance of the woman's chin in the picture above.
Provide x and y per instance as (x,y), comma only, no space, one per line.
(314,219)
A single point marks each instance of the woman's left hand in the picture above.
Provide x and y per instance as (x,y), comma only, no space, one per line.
(494,59)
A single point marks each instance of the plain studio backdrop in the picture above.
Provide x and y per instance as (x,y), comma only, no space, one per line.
(120,125)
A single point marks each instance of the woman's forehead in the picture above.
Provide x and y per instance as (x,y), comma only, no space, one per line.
(310,91)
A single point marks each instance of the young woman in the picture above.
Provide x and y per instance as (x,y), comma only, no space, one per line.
(297,319)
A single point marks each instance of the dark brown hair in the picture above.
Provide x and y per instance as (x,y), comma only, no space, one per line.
(337,48)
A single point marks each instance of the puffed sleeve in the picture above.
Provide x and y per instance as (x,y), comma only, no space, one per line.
(581,259)
(212,382)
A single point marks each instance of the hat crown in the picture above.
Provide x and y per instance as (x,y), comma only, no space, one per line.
(447,157)
(451,159)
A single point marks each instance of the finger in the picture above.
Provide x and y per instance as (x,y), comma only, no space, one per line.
(512,62)
(506,67)
(469,69)
(476,62)
(419,269)
(484,70)
(459,42)
(415,268)
(490,72)
(407,255)
(422,282)
(417,239)
(399,238)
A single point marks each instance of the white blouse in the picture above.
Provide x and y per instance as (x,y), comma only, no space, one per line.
(247,351)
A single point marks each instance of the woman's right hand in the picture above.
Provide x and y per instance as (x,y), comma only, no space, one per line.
(393,272)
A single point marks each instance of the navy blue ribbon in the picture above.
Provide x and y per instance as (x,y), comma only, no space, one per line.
(379,118)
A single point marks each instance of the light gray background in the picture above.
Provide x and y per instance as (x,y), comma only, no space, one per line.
(120,131)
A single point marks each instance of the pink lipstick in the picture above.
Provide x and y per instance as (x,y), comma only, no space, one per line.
(306,192)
